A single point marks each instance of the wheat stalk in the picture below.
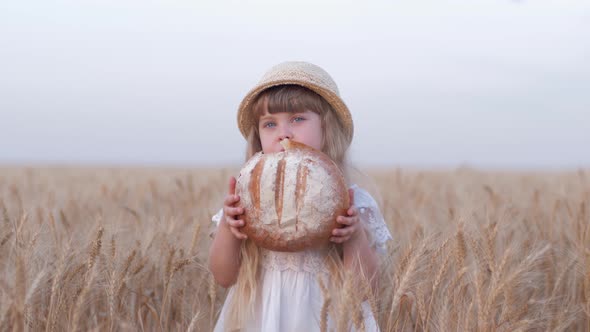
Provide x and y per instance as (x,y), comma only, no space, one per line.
(325,306)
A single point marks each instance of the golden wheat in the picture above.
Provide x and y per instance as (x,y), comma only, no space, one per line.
(125,249)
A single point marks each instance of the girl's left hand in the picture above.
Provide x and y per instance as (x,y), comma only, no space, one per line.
(350,223)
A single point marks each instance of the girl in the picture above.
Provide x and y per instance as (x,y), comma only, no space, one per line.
(282,291)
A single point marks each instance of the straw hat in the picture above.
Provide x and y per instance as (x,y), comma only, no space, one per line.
(299,73)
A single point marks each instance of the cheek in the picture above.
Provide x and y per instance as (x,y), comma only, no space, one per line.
(314,134)
(265,142)
(318,129)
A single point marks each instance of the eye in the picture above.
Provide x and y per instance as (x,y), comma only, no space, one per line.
(298,119)
(268,124)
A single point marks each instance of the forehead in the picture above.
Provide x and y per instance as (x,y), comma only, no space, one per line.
(284,100)
(266,114)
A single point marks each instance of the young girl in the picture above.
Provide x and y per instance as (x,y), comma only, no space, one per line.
(281,291)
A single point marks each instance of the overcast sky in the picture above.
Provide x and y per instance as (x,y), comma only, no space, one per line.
(429,83)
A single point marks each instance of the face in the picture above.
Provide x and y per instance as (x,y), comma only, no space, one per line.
(303,127)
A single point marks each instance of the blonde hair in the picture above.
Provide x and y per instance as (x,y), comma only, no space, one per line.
(286,98)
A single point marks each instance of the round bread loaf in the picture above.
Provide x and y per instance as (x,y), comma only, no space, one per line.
(291,199)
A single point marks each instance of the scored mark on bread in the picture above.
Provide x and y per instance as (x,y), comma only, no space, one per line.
(280,188)
(254,185)
(301,185)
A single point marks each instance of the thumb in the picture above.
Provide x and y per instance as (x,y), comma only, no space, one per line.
(232,185)
(351,196)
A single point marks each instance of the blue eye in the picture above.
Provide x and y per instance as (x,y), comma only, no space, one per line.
(299,119)
(268,124)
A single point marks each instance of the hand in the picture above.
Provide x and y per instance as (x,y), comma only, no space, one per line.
(350,223)
(231,212)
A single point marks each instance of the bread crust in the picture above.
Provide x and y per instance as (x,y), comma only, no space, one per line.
(291,199)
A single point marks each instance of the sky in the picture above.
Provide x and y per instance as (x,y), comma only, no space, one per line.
(441,83)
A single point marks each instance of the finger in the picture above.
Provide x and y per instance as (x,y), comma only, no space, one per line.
(351,196)
(347,220)
(234,211)
(238,234)
(227,212)
(352,211)
(335,239)
(236,223)
(232,185)
(344,231)
(231,199)
(338,232)
(338,239)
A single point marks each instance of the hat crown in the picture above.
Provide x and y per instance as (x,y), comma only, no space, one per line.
(300,71)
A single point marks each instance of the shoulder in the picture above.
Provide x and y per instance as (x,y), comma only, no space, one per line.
(362,198)
(372,218)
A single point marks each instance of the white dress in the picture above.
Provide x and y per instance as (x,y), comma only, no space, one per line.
(290,298)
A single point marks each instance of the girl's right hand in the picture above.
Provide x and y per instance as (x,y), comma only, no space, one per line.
(231,212)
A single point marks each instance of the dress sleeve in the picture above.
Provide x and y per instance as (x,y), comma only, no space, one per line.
(215,220)
(372,219)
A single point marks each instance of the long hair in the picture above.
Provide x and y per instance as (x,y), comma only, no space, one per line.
(291,99)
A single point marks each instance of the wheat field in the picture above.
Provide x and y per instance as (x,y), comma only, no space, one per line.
(118,249)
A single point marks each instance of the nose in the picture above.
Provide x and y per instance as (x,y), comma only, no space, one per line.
(285,133)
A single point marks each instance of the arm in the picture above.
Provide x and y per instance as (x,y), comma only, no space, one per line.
(224,255)
(358,255)
(224,252)
(360,258)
